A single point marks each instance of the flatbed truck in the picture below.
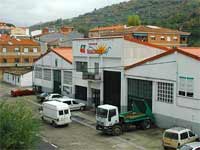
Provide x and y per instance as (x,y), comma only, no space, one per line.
(109,120)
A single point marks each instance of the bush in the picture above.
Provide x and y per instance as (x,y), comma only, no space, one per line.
(18,127)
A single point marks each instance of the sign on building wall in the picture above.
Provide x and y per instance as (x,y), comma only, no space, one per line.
(95,48)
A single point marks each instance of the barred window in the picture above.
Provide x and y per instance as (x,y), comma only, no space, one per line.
(165,92)
(38,72)
(47,74)
(67,79)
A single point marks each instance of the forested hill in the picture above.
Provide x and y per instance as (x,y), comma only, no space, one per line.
(176,14)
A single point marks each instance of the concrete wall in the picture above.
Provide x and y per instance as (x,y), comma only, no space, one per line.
(24,80)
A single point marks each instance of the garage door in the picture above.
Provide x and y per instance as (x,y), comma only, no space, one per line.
(112,88)
(139,90)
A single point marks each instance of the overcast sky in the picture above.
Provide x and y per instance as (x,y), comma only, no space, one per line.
(29,12)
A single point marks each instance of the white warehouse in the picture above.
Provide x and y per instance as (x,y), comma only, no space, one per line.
(53,71)
(98,77)
(170,83)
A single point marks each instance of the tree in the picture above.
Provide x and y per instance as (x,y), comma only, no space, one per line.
(18,127)
(134,20)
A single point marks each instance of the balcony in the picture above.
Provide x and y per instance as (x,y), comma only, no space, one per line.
(19,54)
(91,76)
(15,64)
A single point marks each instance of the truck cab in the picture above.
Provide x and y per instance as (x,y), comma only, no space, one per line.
(107,116)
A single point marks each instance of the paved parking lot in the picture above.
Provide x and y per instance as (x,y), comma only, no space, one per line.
(81,133)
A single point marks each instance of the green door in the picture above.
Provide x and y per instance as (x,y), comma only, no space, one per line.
(139,90)
(57,81)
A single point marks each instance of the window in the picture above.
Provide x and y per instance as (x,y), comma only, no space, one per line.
(68,102)
(35,50)
(56,62)
(47,74)
(153,37)
(60,112)
(186,86)
(112,112)
(16,49)
(67,77)
(81,66)
(25,50)
(16,60)
(175,38)
(38,72)
(56,96)
(26,60)
(165,92)
(96,66)
(18,79)
(168,38)
(74,102)
(184,135)
(4,50)
(170,135)
(162,38)
(191,134)
(4,60)
(66,112)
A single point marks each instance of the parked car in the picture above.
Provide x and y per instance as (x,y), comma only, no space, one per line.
(73,104)
(177,136)
(41,96)
(53,96)
(56,113)
(22,92)
(190,146)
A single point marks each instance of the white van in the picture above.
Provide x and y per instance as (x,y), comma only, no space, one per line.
(56,113)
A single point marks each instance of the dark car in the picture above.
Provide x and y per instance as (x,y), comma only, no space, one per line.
(41,97)
(21,92)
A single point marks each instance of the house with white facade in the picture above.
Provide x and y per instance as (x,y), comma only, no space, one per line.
(99,75)
(21,78)
(170,83)
(53,71)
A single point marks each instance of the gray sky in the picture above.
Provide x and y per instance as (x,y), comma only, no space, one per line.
(29,12)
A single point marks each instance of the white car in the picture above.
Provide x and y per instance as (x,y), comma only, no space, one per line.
(191,146)
(73,104)
(53,96)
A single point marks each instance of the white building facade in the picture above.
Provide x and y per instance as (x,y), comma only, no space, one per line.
(21,79)
(53,72)
(173,89)
(98,74)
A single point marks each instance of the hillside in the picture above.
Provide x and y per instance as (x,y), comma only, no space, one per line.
(176,14)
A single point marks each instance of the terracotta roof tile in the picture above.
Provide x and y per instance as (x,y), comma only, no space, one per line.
(115,27)
(64,52)
(14,41)
(154,29)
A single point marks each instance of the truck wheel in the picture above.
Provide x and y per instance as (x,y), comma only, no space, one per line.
(146,124)
(117,130)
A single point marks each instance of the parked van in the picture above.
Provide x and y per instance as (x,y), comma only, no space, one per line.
(56,113)
(178,136)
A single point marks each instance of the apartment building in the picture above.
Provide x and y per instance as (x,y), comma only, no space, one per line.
(152,34)
(17,53)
